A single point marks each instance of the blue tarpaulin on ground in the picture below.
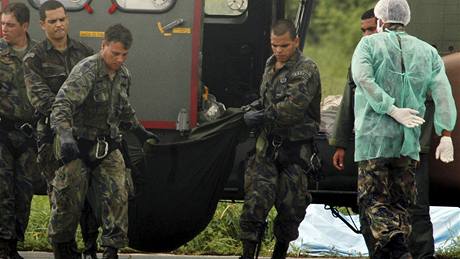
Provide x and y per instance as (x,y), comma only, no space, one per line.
(322,234)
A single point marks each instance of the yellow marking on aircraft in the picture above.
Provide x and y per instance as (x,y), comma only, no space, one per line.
(92,34)
(182,30)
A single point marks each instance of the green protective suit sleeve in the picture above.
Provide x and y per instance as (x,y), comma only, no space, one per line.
(445,113)
(363,76)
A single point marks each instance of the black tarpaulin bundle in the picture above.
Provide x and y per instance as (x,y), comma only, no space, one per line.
(178,185)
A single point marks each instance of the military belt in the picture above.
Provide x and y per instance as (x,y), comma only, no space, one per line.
(103,145)
(25,127)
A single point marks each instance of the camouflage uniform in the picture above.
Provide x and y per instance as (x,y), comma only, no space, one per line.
(94,106)
(17,150)
(421,242)
(277,174)
(386,188)
(45,70)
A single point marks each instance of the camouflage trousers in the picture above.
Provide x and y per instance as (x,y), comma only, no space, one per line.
(421,242)
(269,183)
(386,190)
(107,194)
(17,172)
(48,166)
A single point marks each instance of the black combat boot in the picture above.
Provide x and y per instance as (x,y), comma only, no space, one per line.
(14,249)
(89,255)
(90,247)
(4,249)
(381,254)
(249,249)
(66,250)
(398,247)
(110,253)
(280,250)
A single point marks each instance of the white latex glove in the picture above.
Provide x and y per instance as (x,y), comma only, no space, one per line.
(406,116)
(445,150)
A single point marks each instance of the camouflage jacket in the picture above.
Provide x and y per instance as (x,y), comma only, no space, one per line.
(291,97)
(14,104)
(45,69)
(344,121)
(93,104)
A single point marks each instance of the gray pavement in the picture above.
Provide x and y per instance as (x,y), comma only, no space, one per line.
(45,255)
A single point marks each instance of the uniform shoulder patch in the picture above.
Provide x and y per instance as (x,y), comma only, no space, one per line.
(299,74)
(29,55)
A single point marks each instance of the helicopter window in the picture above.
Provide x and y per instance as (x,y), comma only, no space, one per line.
(150,6)
(70,5)
(225,7)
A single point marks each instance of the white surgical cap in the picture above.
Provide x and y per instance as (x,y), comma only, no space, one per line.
(393,11)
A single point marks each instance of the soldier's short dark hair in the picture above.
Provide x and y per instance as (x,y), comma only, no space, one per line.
(119,33)
(19,10)
(282,26)
(49,5)
(368,14)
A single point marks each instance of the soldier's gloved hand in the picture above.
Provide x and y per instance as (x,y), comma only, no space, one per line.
(254,118)
(69,146)
(406,116)
(145,135)
(255,105)
(445,150)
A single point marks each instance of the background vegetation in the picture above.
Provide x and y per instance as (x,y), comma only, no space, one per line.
(334,31)
(220,237)
(332,36)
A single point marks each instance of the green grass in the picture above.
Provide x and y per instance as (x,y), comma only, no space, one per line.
(36,238)
(36,234)
(219,238)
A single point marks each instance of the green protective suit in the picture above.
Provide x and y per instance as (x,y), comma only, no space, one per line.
(391,72)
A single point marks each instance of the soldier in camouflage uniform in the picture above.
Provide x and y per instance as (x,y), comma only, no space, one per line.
(46,67)
(394,72)
(90,113)
(421,242)
(17,146)
(288,116)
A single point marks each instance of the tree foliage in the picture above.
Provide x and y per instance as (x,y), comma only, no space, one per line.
(332,36)
(334,21)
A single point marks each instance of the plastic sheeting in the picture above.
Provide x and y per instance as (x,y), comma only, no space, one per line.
(322,234)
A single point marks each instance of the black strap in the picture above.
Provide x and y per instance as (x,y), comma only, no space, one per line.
(16,151)
(85,147)
(8,124)
(403,68)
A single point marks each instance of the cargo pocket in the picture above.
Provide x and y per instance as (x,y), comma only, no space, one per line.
(69,185)
(46,161)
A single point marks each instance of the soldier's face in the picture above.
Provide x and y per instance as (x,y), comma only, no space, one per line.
(56,24)
(369,26)
(283,46)
(114,55)
(12,31)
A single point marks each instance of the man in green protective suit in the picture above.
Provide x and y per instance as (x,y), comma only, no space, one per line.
(394,72)
(421,242)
